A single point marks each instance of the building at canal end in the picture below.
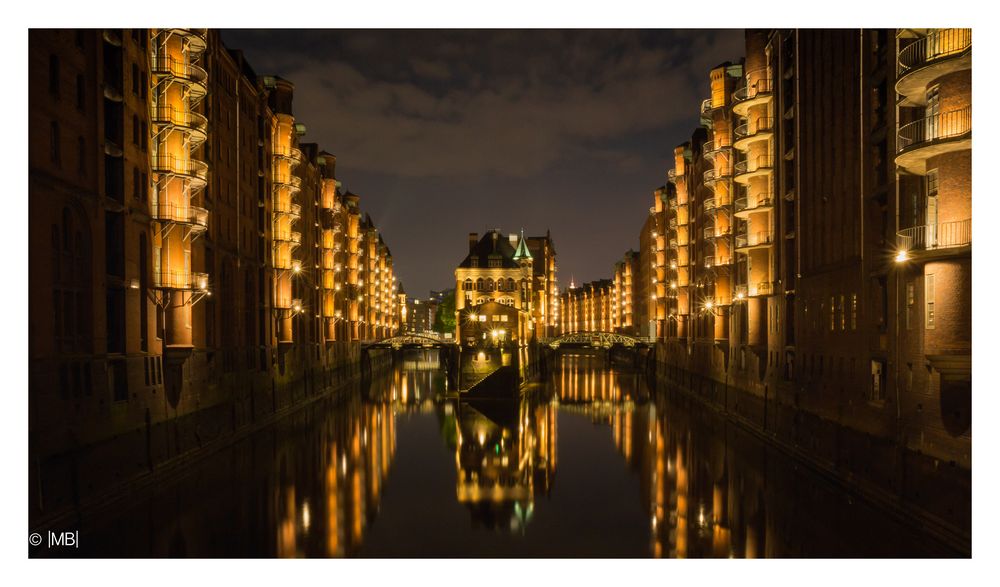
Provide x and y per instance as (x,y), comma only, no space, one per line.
(499,270)
(204,268)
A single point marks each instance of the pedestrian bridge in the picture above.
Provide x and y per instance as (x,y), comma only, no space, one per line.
(410,341)
(596,339)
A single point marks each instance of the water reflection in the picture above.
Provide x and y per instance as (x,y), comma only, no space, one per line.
(402,468)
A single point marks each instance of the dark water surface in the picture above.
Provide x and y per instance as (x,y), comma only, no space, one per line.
(590,464)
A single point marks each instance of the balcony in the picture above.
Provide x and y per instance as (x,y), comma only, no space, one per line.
(672,176)
(710,151)
(746,242)
(756,167)
(192,76)
(931,136)
(706,113)
(195,40)
(180,280)
(191,169)
(293,238)
(751,132)
(287,181)
(193,216)
(713,262)
(757,90)
(709,204)
(747,205)
(933,237)
(763,288)
(290,154)
(712,176)
(921,62)
(192,123)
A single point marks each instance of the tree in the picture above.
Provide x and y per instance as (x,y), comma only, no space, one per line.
(444,319)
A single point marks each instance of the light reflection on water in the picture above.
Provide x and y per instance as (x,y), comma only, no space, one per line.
(590,463)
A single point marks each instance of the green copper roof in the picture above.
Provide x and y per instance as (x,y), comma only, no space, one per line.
(522,251)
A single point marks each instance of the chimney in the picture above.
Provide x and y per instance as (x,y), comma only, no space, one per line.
(473,239)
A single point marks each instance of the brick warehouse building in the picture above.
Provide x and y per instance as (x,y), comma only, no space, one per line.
(794,264)
(195,267)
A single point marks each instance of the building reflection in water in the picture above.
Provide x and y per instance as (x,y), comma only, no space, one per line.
(505,455)
(312,483)
(359,441)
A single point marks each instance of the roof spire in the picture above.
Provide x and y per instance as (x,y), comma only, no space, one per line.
(522,249)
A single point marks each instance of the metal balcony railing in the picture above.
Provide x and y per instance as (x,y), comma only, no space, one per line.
(169,115)
(291,153)
(946,125)
(750,203)
(762,124)
(709,204)
(191,168)
(706,107)
(764,288)
(672,223)
(163,64)
(289,237)
(287,179)
(188,280)
(708,232)
(709,176)
(193,215)
(753,165)
(940,44)
(760,86)
(672,175)
(754,239)
(943,235)
(295,211)
(740,291)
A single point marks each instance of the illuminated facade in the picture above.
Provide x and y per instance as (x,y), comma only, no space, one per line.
(497,269)
(805,267)
(196,260)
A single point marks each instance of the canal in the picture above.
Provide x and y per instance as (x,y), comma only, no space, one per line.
(589,463)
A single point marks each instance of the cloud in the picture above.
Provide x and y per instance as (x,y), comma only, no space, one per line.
(421,104)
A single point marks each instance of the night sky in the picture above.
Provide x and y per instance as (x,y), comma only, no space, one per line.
(443,133)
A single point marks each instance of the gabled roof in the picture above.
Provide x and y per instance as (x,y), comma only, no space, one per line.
(493,246)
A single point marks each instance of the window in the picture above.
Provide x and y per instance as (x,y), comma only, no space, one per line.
(54,76)
(54,143)
(911,298)
(135,79)
(832,314)
(843,314)
(81,146)
(135,129)
(467,285)
(877,381)
(931,212)
(929,301)
(479,284)
(81,98)
(854,311)
(144,136)
(143,84)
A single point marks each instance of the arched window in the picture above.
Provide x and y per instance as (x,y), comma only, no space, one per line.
(510,284)
(500,284)
(479,284)
(489,284)
(467,285)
